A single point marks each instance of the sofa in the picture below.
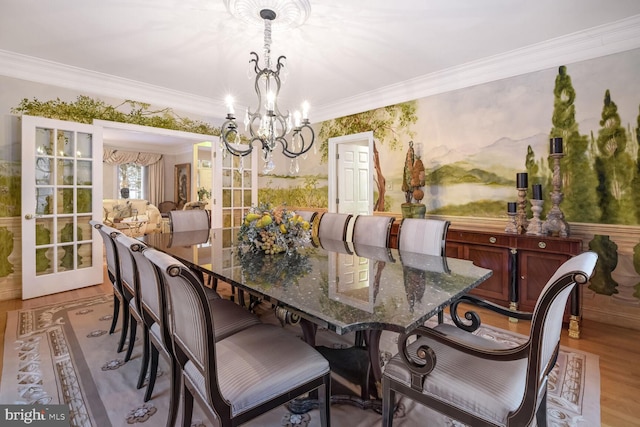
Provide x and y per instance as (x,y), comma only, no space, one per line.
(118,210)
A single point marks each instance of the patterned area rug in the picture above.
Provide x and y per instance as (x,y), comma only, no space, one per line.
(64,354)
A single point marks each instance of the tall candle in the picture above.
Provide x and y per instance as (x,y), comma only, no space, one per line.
(537,191)
(511,207)
(522,180)
(555,145)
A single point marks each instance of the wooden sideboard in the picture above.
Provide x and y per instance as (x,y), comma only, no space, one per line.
(521,265)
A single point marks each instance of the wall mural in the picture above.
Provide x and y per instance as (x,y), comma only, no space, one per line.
(474,141)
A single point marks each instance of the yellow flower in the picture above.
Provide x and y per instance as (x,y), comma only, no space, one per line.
(305,225)
(283,228)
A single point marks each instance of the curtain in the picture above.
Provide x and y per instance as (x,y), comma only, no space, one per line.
(154,163)
(156,182)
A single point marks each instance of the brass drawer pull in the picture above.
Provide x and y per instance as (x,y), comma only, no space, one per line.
(492,239)
(542,245)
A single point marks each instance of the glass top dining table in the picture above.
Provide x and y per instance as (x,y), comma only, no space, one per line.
(335,285)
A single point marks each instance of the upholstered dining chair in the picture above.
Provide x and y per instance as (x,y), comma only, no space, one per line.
(155,311)
(478,381)
(334,226)
(113,271)
(130,287)
(372,230)
(425,236)
(189,220)
(244,375)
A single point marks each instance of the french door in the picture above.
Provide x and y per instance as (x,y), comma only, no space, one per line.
(61,193)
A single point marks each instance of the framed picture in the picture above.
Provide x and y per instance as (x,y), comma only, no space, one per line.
(182,189)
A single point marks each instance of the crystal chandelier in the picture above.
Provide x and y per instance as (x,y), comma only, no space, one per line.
(267,124)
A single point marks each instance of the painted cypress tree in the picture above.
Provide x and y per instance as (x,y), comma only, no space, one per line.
(616,167)
(578,177)
(635,184)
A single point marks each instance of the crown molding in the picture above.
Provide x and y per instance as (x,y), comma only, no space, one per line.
(56,74)
(599,41)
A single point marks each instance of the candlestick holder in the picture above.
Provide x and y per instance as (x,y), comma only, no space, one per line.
(555,225)
(512,226)
(521,217)
(535,224)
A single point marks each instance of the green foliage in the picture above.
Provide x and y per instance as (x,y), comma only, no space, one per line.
(10,195)
(578,179)
(43,237)
(6,247)
(389,125)
(601,282)
(307,196)
(86,109)
(635,183)
(66,235)
(481,208)
(456,174)
(615,168)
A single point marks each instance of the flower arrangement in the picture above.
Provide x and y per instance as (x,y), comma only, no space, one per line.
(272,230)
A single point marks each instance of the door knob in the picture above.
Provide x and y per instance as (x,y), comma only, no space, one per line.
(29,216)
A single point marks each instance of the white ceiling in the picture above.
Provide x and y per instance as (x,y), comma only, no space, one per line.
(348,57)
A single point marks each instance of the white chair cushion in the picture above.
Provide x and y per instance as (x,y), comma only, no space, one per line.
(483,387)
(229,317)
(258,364)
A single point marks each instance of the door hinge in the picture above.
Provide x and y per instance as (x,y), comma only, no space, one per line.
(337,156)
(337,201)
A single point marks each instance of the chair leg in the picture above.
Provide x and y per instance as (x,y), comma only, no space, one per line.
(324,394)
(388,403)
(116,312)
(174,397)
(145,356)
(153,371)
(125,326)
(187,407)
(133,327)
(541,413)
(440,317)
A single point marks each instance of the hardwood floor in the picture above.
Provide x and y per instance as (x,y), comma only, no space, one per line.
(617,347)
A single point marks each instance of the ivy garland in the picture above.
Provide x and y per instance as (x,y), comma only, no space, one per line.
(86,109)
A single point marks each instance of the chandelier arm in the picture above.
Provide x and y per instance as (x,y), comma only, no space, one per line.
(255,59)
(228,129)
(280,64)
(293,154)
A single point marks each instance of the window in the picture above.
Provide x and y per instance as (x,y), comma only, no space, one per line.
(133,177)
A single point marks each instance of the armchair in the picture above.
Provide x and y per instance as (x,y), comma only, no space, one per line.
(480,382)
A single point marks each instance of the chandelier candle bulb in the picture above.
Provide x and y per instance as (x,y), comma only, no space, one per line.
(229,102)
(537,191)
(270,101)
(522,180)
(305,110)
(555,145)
(297,118)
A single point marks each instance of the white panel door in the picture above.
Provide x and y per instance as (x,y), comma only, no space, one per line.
(354,177)
(61,193)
